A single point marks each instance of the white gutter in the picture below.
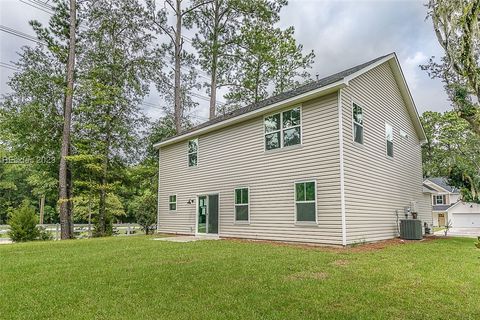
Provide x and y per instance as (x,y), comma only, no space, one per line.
(297,99)
(342,169)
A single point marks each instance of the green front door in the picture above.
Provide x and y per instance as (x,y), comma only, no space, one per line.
(208,214)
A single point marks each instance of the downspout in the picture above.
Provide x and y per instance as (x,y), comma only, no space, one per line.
(342,170)
(158,195)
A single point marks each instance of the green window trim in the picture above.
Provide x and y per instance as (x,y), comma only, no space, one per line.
(283,129)
(192,148)
(242,204)
(306,201)
(172,202)
(357,120)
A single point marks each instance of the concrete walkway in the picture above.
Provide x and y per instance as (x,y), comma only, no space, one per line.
(5,241)
(460,232)
(188,238)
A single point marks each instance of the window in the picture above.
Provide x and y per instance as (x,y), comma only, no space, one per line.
(439,199)
(241,204)
(283,129)
(389,138)
(172,202)
(192,153)
(357,124)
(305,201)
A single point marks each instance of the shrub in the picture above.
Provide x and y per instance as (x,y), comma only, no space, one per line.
(43,234)
(23,224)
(145,207)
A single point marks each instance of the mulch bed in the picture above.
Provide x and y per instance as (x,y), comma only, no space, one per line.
(364,247)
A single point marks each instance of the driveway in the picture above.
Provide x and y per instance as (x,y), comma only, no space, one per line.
(461,232)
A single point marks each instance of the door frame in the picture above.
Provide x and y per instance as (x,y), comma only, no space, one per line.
(444,217)
(206,194)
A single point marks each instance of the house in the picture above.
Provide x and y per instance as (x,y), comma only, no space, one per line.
(336,161)
(447,206)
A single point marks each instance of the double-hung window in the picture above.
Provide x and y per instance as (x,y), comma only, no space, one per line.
(389,139)
(172,202)
(305,201)
(193,153)
(242,205)
(440,199)
(357,112)
(283,129)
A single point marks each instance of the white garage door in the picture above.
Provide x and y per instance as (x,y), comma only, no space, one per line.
(466,220)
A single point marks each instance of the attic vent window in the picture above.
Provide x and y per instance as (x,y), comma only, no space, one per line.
(283,129)
(357,124)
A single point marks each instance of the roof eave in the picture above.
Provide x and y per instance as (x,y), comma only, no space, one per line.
(412,108)
(293,100)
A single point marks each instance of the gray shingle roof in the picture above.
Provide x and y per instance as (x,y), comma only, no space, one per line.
(442,182)
(441,207)
(282,96)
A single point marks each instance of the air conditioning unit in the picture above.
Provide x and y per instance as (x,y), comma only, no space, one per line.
(411,229)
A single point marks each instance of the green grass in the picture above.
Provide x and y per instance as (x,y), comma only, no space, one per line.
(137,278)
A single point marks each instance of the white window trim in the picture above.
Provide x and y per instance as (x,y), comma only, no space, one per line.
(282,129)
(176,202)
(356,123)
(235,221)
(310,201)
(386,141)
(436,199)
(189,153)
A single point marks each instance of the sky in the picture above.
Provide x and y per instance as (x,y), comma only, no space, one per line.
(341,33)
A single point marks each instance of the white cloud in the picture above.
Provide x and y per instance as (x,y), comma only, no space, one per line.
(411,68)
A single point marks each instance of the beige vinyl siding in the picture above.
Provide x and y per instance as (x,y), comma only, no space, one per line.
(234,157)
(377,185)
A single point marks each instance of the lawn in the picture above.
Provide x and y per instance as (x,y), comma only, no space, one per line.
(137,278)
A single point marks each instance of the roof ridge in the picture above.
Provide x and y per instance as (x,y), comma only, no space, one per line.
(306,87)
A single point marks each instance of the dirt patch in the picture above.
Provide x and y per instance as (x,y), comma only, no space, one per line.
(341,263)
(304,275)
(363,247)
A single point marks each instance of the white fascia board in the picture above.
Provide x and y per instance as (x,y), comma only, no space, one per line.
(370,67)
(437,187)
(249,115)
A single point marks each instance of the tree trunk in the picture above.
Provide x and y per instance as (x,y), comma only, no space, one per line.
(213,68)
(102,206)
(178,108)
(64,196)
(42,209)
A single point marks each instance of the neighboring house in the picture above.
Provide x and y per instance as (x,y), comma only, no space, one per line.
(335,161)
(448,207)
